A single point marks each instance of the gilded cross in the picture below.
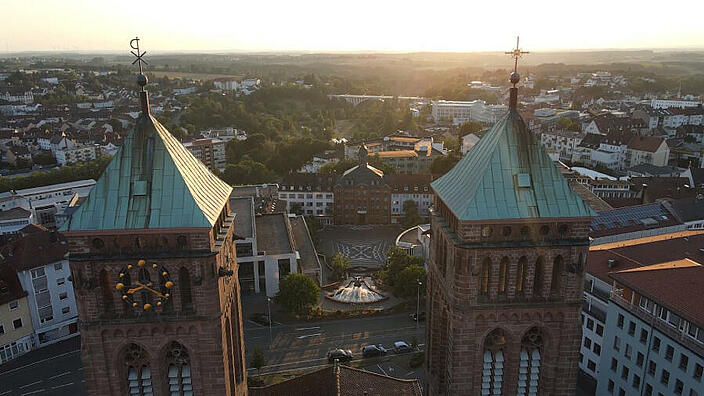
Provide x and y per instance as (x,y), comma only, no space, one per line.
(515,54)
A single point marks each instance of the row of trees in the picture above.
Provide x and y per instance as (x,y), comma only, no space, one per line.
(87,170)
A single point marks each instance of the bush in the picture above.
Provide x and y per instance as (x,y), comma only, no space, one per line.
(297,293)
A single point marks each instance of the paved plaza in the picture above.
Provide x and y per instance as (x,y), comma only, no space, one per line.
(366,246)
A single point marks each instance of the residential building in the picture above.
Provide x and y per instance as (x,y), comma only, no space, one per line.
(210,152)
(562,142)
(15,219)
(79,153)
(16,331)
(668,103)
(39,258)
(468,141)
(414,188)
(633,222)
(654,333)
(363,196)
(310,194)
(620,255)
(226,84)
(459,112)
(506,270)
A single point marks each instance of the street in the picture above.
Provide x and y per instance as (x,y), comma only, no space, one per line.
(57,369)
(297,346)
(53,370)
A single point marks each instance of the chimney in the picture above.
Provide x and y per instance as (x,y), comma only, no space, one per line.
(611,263)
(642,193)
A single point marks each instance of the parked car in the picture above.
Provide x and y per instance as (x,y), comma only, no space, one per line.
(421,316)
(373,350)
(340,354)
(261,318)
(402,347)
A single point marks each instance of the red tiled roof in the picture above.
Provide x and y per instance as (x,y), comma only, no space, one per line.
(645,143)
(674,288)
(644,252)
(36,247)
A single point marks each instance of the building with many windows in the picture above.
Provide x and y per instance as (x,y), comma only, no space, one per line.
(39,258)
(16,331)
(654,337)
(210,152)
(310,194)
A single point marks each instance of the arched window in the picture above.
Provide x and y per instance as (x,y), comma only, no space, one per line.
(184,283)
(106,287)
(556,275)
(529,365)
(493,359)
(503,270)
(539,277)
(179,370)
(486,276)
(139,375)
(521,274)
(231,354)
(127,280)
(145,279)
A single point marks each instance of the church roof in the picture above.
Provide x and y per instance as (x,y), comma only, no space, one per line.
(152,182)
(508,175)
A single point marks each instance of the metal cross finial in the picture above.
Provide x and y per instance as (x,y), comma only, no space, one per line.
(134,43)
(515,54)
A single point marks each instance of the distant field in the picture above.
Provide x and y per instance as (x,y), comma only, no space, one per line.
(192,76)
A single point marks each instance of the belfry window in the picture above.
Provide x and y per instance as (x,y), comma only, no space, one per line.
(493,363)
(486,275)
(139,376)
(503,270)
(529,363)
(179,370)
(538,277)
(521,274)
(556,275)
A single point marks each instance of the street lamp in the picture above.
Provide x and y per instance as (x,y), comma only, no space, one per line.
(268,308)
(418,304)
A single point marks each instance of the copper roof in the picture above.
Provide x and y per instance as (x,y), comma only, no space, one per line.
(508,175)
(152,182)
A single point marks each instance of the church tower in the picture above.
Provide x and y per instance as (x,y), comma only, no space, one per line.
(505,278)
(153,265)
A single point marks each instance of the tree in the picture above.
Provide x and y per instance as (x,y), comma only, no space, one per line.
(396,261)
(406,285)
(44,158)
(443,164)
(410,214)
(258,359)
(470,127)
(297,293)
(340,265)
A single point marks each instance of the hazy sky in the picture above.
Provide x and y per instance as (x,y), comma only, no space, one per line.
(410,25)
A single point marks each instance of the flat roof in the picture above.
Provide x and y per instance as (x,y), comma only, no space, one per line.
(242,207)
(52,187)
(273,234)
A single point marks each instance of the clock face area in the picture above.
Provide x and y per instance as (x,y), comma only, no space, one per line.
(144,286)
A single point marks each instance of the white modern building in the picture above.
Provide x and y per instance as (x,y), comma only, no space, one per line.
(79,153)
(459,112)
(667,103)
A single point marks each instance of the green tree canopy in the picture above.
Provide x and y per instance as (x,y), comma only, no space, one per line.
(410,214)
(406,285)
(396,261)
(443,164)
(340,265)
(297,293)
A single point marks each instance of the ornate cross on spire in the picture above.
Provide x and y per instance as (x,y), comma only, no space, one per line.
(516,53)
(141,78)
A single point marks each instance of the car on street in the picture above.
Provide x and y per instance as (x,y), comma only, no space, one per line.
(340,355)
(373,350)
(260,318)
(402,347)
(421,316)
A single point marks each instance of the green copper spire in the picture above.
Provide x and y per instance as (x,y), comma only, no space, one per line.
(508,175)
(151,182)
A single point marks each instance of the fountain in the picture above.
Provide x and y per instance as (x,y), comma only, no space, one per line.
(356,291)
